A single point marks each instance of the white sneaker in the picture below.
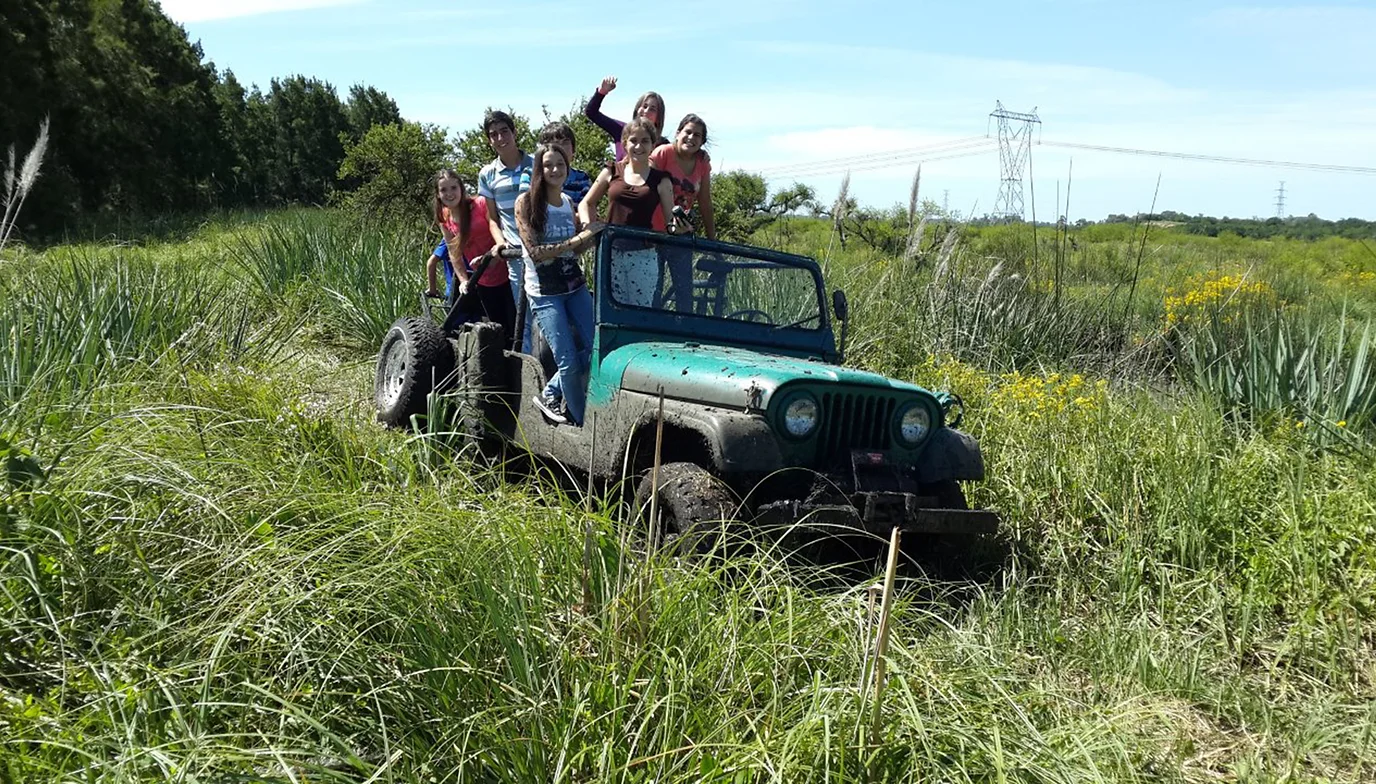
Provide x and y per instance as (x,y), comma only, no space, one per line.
(552,409)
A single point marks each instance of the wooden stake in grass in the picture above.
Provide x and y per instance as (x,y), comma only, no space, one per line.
(592,458)
(587,524)
(653,534)
(881,643)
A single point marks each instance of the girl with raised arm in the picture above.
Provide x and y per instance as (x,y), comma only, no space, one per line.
(649,106)
(552,236)
(636,192)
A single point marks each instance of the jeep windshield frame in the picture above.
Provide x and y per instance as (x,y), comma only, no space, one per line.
(743,295)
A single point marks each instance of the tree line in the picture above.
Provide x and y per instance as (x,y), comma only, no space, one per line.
(1308,227)
(143,124)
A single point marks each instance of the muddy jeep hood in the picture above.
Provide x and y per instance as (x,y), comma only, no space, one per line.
(724,376)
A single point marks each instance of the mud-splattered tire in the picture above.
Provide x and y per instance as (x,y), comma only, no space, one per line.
(416,359)
(697,512)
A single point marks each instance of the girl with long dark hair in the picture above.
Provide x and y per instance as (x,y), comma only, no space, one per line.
(552,236)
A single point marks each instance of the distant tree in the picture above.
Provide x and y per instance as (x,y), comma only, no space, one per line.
(740,201)
(743,205)
(394,165)
(309,122)
(367,107)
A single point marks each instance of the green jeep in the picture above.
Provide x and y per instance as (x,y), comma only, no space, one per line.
(761,423)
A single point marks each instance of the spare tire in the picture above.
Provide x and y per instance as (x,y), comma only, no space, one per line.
(416,359)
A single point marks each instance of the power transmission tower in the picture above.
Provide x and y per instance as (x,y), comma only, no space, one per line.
(1280,200)
(946,202)
(1015,152)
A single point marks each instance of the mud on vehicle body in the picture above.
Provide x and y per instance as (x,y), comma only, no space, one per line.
(762,423)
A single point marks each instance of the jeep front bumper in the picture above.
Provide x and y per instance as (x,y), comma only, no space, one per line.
(880,512)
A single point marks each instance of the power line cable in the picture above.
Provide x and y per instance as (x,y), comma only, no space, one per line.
(1189,156)
(885,154)
(884,164)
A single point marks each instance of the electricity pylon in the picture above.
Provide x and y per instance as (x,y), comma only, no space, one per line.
(1015,151)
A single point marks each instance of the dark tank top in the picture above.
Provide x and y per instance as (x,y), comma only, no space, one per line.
(632,205)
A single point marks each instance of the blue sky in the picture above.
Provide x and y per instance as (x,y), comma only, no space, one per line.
(788,83)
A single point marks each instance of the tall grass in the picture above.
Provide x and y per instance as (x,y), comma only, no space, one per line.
(82,319)
(357,278)
(217,575)
(1283,366)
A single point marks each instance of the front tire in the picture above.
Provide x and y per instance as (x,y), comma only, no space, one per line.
(415,360)
(697,512)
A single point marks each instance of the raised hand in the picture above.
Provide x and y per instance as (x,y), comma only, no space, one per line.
(608,84)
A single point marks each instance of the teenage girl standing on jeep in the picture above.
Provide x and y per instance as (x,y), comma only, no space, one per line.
(690,168)
(463,222)
(552,236)
(636,191)
(649,106)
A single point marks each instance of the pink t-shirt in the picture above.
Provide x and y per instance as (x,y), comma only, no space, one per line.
(479,242)
(686,185)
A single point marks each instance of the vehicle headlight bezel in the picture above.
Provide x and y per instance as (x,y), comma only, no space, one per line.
(901,426)
(789,415)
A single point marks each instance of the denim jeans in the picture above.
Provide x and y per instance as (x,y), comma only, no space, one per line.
(679,261)
(515,272)
(566,320)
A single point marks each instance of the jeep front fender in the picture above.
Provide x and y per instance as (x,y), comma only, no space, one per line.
(950,454)
(737,442)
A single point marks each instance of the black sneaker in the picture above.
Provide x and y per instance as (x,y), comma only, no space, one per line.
(552,409)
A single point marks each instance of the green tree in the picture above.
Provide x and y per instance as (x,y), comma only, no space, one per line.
(309,122)
(743,206)
(135,126)
(394,165)
(367,107)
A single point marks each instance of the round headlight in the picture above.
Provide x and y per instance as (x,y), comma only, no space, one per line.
(914,424)
(800,417)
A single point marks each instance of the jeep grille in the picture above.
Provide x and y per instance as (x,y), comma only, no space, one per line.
(852,420)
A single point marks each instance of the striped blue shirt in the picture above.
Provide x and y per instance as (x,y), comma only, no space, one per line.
(503,185)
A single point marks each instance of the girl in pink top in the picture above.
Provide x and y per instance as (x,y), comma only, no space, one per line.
(690,169)
(463,221)
(689,166)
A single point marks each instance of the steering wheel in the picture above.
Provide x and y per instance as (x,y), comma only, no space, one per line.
(752,315)
(799,322)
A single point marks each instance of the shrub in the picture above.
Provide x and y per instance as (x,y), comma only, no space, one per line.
(395,164)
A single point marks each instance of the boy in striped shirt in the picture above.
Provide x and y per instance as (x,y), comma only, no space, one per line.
(499,183)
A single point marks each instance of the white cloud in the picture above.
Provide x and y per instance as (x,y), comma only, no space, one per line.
(209,10)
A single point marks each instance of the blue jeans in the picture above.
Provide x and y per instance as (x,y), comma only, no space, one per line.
(566,320)
(515,272)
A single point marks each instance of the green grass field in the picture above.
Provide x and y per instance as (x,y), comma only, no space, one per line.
(215,567)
